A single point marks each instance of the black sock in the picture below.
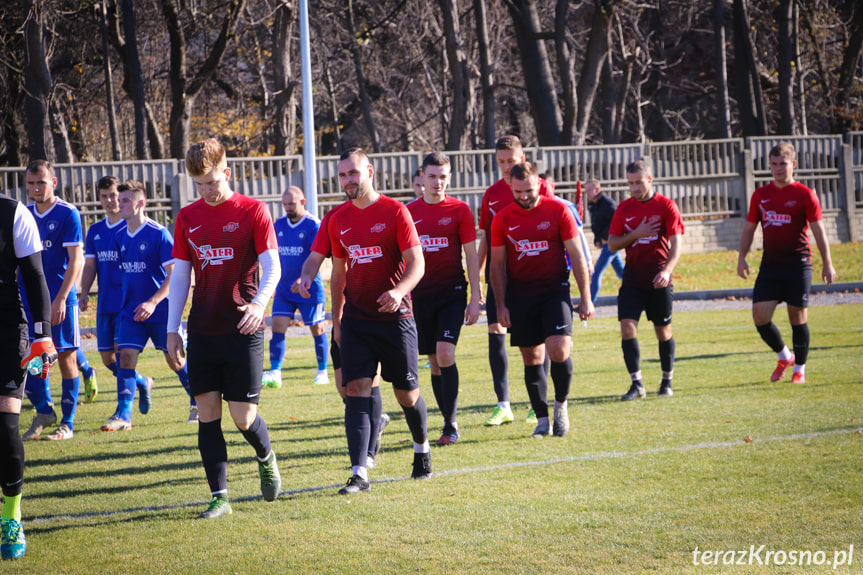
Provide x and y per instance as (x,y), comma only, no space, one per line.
(666,354)
(437,390)
(631,354)
(499,363)
(375,410)
(537,388)
(12,455)
(358,428)
(214,455)
(449,392)
(771,336)
(417,420)
(561,377)
(258,436)
(800,339)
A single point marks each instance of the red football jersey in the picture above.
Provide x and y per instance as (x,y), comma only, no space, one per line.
(535,254)
(443,229)
(372,241)
(648,255)
(223,243)
(784,214)
(497,197)
(321,243)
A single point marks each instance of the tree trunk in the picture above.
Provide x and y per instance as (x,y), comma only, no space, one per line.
(37,87)
(59,133)
(597,52)
(135,78)
(721,65)
(365,101)
(798,58)
(116,151)
(536,70)
(784,24)
(485,73)
(847,71)
(459,73)
(566,69)
(283,124)
(749,97)
(11,137)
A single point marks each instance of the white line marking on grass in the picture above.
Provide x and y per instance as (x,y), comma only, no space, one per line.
(463,471)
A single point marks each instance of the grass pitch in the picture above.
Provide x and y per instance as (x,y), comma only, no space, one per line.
(731,461)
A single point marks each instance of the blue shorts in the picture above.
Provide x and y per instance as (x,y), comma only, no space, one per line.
(107,326)
(134,334)
(313,313)
(65,336)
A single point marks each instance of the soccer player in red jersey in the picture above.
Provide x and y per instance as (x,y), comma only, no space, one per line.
(530,277)
(378,259)
(224,236)
(445,227)
(319,251)
(648,225)
(508,152)
(783,208)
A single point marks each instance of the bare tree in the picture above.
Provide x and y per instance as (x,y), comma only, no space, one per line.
(105,28)
(721,65)
(486,74)
(749,96)
(285,86)
(37,86)
(849,67)
(458,72)
(784,27)
(597,52)
(354,48)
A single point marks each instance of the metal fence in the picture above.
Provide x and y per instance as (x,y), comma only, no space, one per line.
(708,178)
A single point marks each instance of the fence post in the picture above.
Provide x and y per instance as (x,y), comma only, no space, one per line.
(748,175)
(846,184)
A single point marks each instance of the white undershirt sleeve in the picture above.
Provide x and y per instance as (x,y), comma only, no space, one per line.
(178,293)
(271,272)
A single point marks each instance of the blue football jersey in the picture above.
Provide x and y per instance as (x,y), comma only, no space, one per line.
(143,255)
(59,229)
(295,242)
(102,245)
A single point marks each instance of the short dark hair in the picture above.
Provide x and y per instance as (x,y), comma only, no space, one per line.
(783,150)
(132,186)
(637,166)
(355,151)
(107,182)
(37,165)
(523,171)
(418,172)
(508,142)
(435,159)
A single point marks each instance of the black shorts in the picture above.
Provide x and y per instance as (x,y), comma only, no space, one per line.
(335,352)
(490,306)
(393,344)
(438,319)
(231,364)
(537,318)
(14,347)
(656,303)
(789,284)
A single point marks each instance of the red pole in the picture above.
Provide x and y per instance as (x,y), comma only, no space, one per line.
(579,200)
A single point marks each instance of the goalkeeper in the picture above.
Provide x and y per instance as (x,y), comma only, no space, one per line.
(19,249)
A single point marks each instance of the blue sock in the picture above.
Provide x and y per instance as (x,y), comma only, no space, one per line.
(125,393)
(39,393)
(113,368)
(83,364)
(183,376)
(69,401)
(277,351)
(322,350)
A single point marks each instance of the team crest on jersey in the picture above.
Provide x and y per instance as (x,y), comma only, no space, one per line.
(790,203)
(231,227)
(210,255)
(361,255)
(444,221)
(142,247)
(543,225)
(528,248)
(430,244)
(378,228)
(52,225)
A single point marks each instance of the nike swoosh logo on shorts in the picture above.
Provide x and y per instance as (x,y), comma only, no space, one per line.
(251,395)
(560,326)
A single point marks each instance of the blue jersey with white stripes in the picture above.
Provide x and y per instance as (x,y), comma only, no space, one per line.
(59,229)
(143,257)
(102,245)
(295,243)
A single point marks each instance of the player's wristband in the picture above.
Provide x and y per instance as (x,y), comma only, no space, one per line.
(42,329)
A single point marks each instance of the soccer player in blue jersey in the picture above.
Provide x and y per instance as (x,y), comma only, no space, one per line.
(101,261)
(59,226)
(145,257)
(295,232)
